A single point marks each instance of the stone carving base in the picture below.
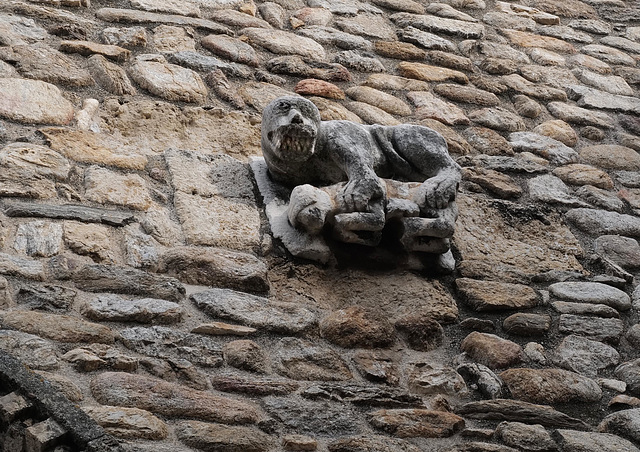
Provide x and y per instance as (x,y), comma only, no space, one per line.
(394,236)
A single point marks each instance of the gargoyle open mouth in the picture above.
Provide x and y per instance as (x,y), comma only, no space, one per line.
(293,142)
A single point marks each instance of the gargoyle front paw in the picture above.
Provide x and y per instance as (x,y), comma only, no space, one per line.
(360,195)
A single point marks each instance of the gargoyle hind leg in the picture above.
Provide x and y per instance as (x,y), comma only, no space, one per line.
(308,208)
(430,235)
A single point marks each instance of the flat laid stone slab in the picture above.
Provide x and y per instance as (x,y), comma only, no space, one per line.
(550,386)
(629,372)
(425,40)
(332,36)
(215,267)
(429,106)
(370,442)
(519,411)
(38,238)
(574,114)
(357,327)
(435,24)
(624,251)
(144,17)
(492,295)
(128,423)
(553,150)
(169,81)
(603,222)
(585,356)
(525,39)
(36,158)
(69,212)
(31,350)
(573,441)
(231,48)
(145,310)
(380,99)
(169,399)
(33,101)
(87,48)
(285,43)
(254,386)
(166,343)
(412,423)
(108,187)
(591,292)
(428,73)
(317,418)
(593,98)
(581,174)
(597,328)
(109,278)
(254,311)
(168,6)
(207,436)
(497,118)
(611,156)
(62,328)
(550,189)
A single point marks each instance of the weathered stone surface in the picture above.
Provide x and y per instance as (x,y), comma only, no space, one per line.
(519,164)
(100,356)
(428,73)
(245,354)
(610,83)
(529,437)
(593,98)
(47,64)
(46,297)
(519,411)
(581,174)
(33,101)
(600,198)
(585,356)
(512,21)
(355,61)
(608,54)
(302,360)
(550,386)
(67,387)
(91,240)
(546,147)
(295,65)
(282,42)
(110,76)
(89,147)
(218,221)
(487,141)
(478,376)
(596,328)
(207,436)
(32,350)
(371,114)
(591,292)
(573,441)
(388,82)
(624,423)
(515,256)
(70,212)
(315,87)
(199,62)
(60,328)
(525,324)
(168,399)
(145,310)
(497,118)
(38,238)
(254,311)
(455,142)
(417,423)
(316,418)
(331,36)
(476,446)
(368,25)
(144,17)
(399,50)
(105,186)
(109,278)
(254,386)
(215,267)
(429,106)
(420,331)
(599,310)
(526,106)
(36,158)
(550,189)
(491,295)
(330,111)
(87,48)
(371,442)
(238,19)
(171,82)
(426,40)
(129,37)
(467,94)
(386,102)
(534,87)
(20,266)
(455,27)
(357,327)
(163,342)
(363,395)
(624,251)
(377,366)
(524,39)
(491,350)
(130,423)
(629,372)
(573,114)
(428,379)
(611,157)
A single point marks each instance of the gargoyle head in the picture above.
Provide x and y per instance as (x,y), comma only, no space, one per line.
(289,128)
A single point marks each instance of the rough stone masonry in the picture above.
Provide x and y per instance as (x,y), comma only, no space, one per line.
(140,279)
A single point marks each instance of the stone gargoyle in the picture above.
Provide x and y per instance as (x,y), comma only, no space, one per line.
(356,179)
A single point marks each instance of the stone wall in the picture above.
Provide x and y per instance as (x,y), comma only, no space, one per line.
(139,278)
